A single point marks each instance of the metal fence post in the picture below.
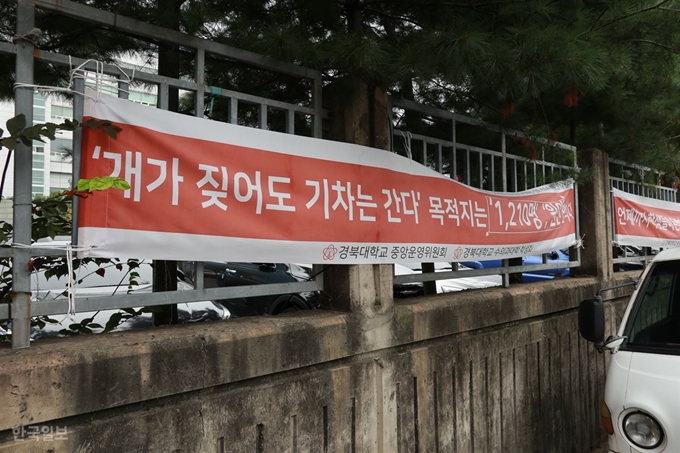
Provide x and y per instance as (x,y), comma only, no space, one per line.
(23,164)
(317,103)
(78,106)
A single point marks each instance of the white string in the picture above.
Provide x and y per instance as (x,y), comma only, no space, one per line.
(48,245)
(579,242)
(98,76)
(71,294)
(407,146)
(71,283)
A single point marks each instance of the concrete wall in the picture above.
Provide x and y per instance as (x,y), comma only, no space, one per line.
(479,371)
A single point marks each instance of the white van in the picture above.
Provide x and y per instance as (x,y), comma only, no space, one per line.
(641,408)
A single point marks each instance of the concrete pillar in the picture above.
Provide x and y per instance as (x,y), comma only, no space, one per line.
(360,117)
(365,291)
(595,215)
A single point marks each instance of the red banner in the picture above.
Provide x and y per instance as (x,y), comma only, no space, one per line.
(645,222)
(205,190)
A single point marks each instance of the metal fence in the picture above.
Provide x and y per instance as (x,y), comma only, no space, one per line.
(258,112)
(645,182)
(639,180)
(438,144)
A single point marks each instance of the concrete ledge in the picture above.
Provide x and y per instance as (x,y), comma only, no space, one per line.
(59,378)
(447,314)
(430,317)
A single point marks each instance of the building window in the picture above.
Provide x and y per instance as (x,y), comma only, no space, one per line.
(143,98)
(38,177)
(38,161)
(62,112)
(38,100)
(38,115)
(60,181)
(61,147)
(38,108)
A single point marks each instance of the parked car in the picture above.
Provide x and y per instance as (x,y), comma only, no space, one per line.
(631,251)
(641,397)
(410,289)
(108,280)
(219,274)
(557,256)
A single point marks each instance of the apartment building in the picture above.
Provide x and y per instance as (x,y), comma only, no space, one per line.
(52,168)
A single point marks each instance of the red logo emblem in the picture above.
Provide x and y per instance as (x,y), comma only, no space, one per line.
(329,252)
(457,253)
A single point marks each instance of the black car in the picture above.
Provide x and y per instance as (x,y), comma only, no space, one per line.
(219,274)
(112,279)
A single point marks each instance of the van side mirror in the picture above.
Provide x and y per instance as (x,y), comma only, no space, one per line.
(591,320)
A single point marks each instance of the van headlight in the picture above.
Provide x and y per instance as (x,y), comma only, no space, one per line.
(642,430)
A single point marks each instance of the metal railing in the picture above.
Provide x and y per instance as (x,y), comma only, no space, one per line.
(639,180)
(22,308)
(483,168)
(645,182)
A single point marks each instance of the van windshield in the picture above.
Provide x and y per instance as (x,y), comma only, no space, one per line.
(655,320)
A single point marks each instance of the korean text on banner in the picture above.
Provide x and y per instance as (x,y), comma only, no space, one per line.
(645,222)
(204,190)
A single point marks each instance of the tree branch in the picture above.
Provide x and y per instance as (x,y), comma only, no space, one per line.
(464,95)
(604,11)
(393,16)
(477,5)
(643,10)
(658,44)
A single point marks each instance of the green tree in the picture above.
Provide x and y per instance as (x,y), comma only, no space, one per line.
(590,72)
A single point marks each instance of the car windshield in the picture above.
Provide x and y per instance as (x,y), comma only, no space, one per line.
(655,319)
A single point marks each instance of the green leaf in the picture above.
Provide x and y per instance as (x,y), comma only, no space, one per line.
(69,125)
(104,183)
(100,183)
(110,131)
(91,123)
(9,143)
(49,132)
(120,183)
(83,185)
(16,124)
(113,321)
